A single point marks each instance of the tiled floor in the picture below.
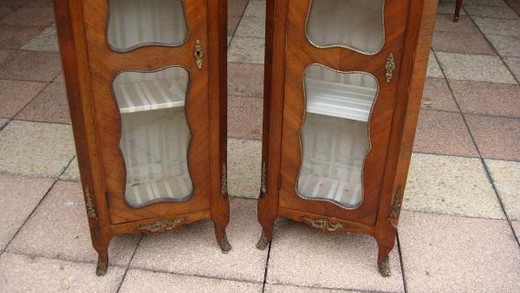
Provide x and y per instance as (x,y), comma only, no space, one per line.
(462,203)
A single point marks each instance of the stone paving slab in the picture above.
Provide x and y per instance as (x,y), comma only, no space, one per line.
(456,254)
(303,256)
(22,273)
(35,149)
(14,210)
(193,249)
(450,185)
(59,229)
(506,177)
(150,282)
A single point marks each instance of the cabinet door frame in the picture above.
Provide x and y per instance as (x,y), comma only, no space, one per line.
(106,63)
(300,54)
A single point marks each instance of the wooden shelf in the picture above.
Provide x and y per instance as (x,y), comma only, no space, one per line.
(339,100)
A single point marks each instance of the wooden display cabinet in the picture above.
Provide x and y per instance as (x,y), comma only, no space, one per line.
(344,80)
(146,83)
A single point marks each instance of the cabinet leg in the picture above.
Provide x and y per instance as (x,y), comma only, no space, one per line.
(266,237)
(220,234)
(383,261)
(458,6)
(102,264)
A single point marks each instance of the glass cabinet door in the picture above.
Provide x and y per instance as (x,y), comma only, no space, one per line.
(335,133)
(155,135)
(334,136)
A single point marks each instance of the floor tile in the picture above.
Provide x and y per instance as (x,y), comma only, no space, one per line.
(487,98)
(255,9)
(516,227)
(496,137)
(146,281)
(246,50)
(13,37)
(22,273)
(461,43)
(304,256)
(3,122)
(233,23)
(506,176)
(271,288)
(72,172)
(251,27)
(434,69)
(489,11)
(437,96)
(35,149)
(14,210)
(450,185)
(484,2)
(245,117)
(246,79)
(443,133)
(236,7)
(6,55)
(59,229)
(497,26)
(32,65)
(15,95)
(47,40)
(514,65)
(49,106)
(193,250)
(31,16)
(474,67)
(454,254)
(244,160)
(444,22)
(506,46)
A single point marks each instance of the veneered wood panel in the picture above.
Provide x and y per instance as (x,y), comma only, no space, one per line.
(300,53)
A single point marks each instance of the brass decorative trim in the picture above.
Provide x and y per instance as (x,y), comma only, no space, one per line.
(263,182)
(395,209)
(162,225)
(384,267)
(323,224)
(198,54)
(263,242)
(223,182)
(390,67)
(89,203)
(224,244)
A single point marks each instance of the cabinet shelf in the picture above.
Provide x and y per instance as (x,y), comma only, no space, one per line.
(149,95)
(339,100)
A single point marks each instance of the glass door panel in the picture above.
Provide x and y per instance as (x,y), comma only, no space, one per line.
(136,23)
(355,24)
(155,135)
(334,136)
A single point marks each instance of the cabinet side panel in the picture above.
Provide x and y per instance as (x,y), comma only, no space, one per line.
(217,35)
(69,22)
(274,76)
(417,48)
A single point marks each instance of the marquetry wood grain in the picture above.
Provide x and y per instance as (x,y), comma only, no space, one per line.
(408,31)
(90,67)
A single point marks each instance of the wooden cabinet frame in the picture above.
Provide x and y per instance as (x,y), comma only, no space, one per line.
(88,64)
(394,116)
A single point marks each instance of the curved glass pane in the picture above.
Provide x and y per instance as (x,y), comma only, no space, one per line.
(334,136)
(155,135)
(135,23)
(356,24)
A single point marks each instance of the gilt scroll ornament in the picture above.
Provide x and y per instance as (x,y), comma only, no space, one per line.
(162,225)
(323,224)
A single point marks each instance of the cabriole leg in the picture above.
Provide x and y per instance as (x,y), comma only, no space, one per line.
(383,261)
(102,264)
(220,234)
